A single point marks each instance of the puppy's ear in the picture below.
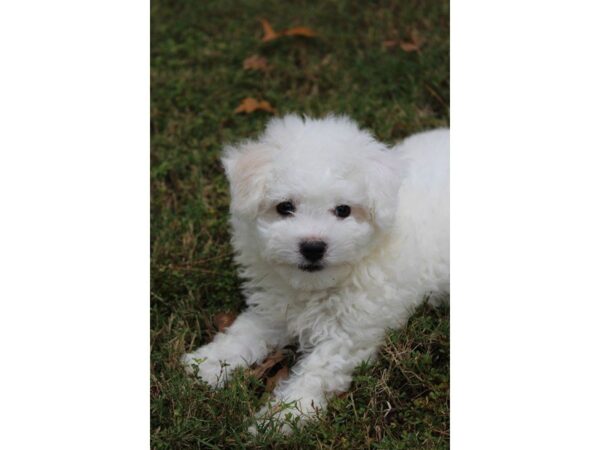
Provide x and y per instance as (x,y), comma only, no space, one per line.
(383,183)
(247,168)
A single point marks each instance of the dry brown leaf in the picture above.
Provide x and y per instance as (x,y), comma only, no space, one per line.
(224,320)
(250,104)
(269,32)
(281,374)
(415,43)
(271,360)
(412,45)
(409,46)
(256,62)
(299,31)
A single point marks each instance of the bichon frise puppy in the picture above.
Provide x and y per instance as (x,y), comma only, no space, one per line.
(338,238)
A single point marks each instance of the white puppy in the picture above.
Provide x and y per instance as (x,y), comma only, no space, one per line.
(338,238)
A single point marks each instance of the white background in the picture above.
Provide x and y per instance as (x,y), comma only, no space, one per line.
(74,224)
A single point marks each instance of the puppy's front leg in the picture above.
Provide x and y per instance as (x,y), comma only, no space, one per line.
(248,340)
(326,371)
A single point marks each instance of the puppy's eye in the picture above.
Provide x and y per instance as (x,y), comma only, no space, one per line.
(285,208)
(342,211)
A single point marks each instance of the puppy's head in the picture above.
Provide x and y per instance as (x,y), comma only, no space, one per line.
(310,198)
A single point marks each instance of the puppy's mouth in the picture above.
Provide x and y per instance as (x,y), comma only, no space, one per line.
(312,267)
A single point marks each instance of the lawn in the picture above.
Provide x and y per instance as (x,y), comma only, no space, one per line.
(384,63)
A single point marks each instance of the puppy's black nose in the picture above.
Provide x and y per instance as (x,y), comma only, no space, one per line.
(313,250)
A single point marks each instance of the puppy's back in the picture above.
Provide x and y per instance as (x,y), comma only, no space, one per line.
(424,199)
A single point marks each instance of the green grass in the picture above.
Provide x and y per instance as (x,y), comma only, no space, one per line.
(198,48)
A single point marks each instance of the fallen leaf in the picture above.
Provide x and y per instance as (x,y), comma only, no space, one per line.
(256,62)
(299,31)
(409,47)
(415,43)
(269,32)
(250,104)
(224,320)
(281,374)
(271,360)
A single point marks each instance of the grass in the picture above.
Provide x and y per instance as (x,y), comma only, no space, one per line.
(198,49)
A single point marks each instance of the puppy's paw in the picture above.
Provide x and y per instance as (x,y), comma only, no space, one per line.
(205,368)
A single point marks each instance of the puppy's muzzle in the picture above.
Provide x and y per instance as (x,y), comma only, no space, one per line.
(313,251)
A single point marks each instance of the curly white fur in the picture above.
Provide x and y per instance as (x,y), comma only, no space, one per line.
(380,262)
